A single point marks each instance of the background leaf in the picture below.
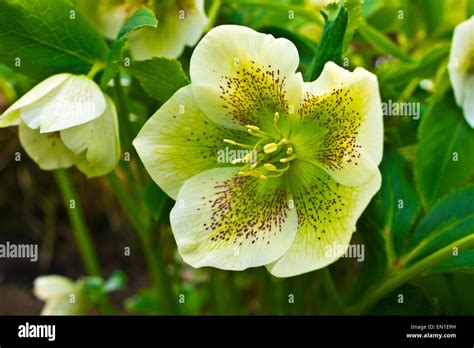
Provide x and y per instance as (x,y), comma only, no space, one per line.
(160,77)
(143,17)
(155,199)
(462,263)
(381,43)
(42,38)
(449,220)
(331,44)
(396,205)
(354,10)
(444,136)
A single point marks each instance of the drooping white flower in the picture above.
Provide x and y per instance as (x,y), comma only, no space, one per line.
(66,120)
(61,294)
(180,23)
(461,68)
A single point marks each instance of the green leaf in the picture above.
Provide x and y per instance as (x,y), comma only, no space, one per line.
(449,220)
(155,199)
(160,77)
(116,281)
(331,44)
(93,289)
(470,8)
(396,204)
(445,151)
(415,302)
(402,74)
(143,303)
(41,38)
(143,17)
(387,221)
(462,263)
(354,10)
(381,43)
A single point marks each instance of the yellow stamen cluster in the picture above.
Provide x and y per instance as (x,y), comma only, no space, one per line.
(271,152)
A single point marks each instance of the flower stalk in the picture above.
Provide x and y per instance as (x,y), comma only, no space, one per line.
(79,228)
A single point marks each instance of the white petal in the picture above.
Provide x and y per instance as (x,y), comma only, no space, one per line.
(47,150)
(51,286)
(346,109)
(99,139)
(11,116)
(77,101)
(461,59)
(172,34)
(179,141)
(62,306)
(468,105)
(232,222)
(324,231)
(240,76)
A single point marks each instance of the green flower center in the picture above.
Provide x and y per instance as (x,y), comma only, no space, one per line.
(269,157)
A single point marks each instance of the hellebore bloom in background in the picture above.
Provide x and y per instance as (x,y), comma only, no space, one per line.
(180,23)
(62,295)
(461,68)
(66,120)
(316,145)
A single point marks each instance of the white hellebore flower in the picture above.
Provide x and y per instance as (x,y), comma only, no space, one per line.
(62,295)
(461,68)
(66,120)
(180,23)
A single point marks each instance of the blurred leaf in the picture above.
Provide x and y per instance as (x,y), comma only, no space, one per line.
(470,8)
(331,44)
(381,43)
(143,303)
(155,199)
(354,11)
(385,225)
(449,220)
(370,7)
(396,204)
(376,259)
(93,289)
(160,77)
(462,263)
(445,151)
(434,11)
(306,48)
(415,302)
(143,17)
(42,38)
(453,291)
(401,74)
(115,282)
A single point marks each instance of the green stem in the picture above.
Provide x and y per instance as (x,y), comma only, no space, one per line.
(400,277)
(80,231)
(95,69)
(140,222)
(126,131)
(331,289)
(79,228)
(212,15)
